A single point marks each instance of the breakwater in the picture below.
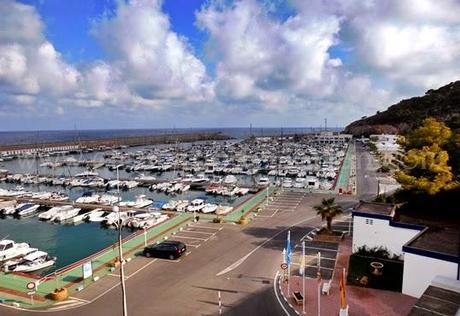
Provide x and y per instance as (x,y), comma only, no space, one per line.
(112,142)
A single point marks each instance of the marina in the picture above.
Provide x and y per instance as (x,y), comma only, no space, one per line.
(72,202)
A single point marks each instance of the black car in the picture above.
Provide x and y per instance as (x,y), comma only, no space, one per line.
(167,249)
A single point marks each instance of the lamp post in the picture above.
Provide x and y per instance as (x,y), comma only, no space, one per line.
(120,250)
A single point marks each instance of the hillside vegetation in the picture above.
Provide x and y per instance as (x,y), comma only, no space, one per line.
(442,104)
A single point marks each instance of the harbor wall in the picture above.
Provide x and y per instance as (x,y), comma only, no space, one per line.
(111,142)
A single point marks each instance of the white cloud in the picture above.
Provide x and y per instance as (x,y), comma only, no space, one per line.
(266,67)
(152,60)
(265,60)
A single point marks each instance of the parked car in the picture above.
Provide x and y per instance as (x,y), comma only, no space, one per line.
(167,249)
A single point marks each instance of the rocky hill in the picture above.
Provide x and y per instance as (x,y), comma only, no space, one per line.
(443,104)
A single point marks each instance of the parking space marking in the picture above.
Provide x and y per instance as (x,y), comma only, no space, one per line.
(185,237)
(196,232)
(206,227)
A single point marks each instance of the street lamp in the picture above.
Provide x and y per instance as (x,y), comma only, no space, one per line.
(116,208)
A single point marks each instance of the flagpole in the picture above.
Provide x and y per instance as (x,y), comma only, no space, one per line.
(319,283)
(288,254)
(303,277)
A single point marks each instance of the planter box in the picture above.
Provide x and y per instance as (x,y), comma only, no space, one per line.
(328,238)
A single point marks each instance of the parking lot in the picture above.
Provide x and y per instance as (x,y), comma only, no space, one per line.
(284,201)
(197,233)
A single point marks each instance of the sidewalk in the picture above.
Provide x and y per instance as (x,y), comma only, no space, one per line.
(361,301)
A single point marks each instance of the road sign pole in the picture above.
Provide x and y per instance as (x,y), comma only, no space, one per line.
(220,303)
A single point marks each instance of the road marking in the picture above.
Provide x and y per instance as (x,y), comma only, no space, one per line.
(241,260)
(207,227)
(79,299)
(275,281)
(139,270)
(195,232)
(185,237)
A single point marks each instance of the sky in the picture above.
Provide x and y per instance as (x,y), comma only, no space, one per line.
(218,63)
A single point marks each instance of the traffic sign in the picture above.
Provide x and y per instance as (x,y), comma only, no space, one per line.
(284,266)
(30,285)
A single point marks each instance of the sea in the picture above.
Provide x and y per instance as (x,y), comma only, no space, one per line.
(50,136)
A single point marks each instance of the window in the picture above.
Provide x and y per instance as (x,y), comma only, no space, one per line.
(369,221)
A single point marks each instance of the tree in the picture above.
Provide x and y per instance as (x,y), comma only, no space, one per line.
(426,169)
(430,132)
(426,162)
(328,209)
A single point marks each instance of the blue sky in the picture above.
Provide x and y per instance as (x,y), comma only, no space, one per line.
(191,63)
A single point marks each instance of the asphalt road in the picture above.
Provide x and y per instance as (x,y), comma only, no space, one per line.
(240,262)
(366,171)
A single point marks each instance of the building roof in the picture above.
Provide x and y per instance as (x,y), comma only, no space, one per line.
(438,238)
(438,299)
(375,208)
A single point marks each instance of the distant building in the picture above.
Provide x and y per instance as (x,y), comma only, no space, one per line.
(331,138)
(387,144)
(428,248)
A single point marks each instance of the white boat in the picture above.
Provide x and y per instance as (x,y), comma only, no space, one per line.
(26,209)
(35,261)
(223,210)
(182,205)
(7,207)
(11,264)
(140,202)
(230,180)
(88,198)
(170,205)
(45,216)
(41,195)
(107,199)
(209,208)
(65,215)
(299,183)
(96,213)
(9,249)
(263,182)
(196,205)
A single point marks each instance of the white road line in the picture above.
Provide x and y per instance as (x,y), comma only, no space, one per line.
(276,293)
(241,260)
(185,237)
(206,227)
(79,299)
(139,270)
(192,231)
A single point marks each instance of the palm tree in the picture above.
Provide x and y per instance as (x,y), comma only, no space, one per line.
(328,209)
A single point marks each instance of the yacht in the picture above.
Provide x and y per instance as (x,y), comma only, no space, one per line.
(65,215)
(45,216)
(97,212)
(209,208)
(196,205)
(230,180)
(263,182)
(26,209)
(9,249)
(34,261)
(140,202)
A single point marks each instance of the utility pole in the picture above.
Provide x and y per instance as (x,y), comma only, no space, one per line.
(120,250)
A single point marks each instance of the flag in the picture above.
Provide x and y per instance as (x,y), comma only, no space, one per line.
(302,260)
(343,301)
(318,273)
(288,249)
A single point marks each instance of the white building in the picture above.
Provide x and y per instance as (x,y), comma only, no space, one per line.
(427,252)
(386,142)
